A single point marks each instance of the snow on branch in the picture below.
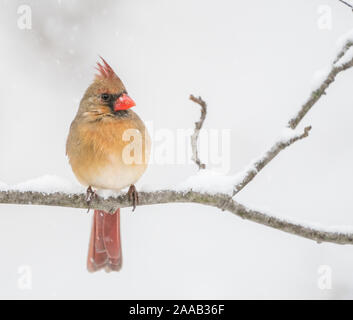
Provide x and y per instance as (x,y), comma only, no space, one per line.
(53,191)
(338,235)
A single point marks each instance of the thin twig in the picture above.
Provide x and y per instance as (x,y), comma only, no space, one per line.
(343,51)
(198,126)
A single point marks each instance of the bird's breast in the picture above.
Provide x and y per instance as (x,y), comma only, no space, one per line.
(110,154)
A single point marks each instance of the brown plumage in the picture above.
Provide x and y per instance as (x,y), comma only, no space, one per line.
(108,148)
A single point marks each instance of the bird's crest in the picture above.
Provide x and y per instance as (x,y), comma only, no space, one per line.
(105,71)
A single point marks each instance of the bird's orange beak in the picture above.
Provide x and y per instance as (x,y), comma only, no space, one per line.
(124,102)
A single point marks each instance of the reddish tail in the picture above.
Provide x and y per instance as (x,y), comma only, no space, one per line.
(105,246)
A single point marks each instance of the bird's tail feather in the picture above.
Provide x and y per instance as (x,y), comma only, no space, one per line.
(105,245)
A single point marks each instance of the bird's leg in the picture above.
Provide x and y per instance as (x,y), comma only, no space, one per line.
(133,196)
(90,195)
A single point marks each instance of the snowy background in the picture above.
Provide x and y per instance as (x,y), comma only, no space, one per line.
(254,63)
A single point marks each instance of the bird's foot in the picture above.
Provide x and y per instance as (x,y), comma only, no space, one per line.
(133,196)
(90,195)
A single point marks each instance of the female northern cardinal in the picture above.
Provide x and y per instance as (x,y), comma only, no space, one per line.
(99,150)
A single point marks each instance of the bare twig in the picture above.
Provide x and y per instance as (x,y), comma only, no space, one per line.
(171,196)
(198,126)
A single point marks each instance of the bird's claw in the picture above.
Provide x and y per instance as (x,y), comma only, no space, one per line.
(133,196)
(90,195)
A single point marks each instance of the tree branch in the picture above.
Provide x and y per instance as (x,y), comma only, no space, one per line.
(171,196)
(317,94)
(266,158)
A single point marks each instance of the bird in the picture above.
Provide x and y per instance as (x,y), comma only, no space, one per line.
(108,148)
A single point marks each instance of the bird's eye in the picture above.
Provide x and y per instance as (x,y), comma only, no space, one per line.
(105,96)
